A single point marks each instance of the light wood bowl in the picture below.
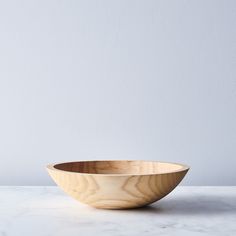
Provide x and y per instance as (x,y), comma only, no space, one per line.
(117,184)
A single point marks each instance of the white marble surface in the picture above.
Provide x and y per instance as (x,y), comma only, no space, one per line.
(48,211)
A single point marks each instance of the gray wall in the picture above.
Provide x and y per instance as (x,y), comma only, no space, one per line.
(118,79)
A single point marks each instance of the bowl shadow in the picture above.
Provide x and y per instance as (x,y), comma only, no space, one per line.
(201,205)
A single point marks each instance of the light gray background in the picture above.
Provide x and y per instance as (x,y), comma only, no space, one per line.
(118,79)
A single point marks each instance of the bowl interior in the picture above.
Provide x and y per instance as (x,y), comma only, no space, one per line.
(120,167)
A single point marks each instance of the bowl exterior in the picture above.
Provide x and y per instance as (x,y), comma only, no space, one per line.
(116,191)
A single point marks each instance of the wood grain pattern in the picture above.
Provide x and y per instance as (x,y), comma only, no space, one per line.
(117,184)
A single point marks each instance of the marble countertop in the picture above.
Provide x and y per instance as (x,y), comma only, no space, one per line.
(47,211)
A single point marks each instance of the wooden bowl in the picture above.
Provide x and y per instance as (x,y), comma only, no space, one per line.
(117,184)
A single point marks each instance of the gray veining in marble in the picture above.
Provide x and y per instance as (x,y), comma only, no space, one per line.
(47,211)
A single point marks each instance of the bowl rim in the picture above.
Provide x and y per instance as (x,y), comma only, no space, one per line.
(183,167)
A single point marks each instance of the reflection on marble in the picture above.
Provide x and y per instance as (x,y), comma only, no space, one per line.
(48,211)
